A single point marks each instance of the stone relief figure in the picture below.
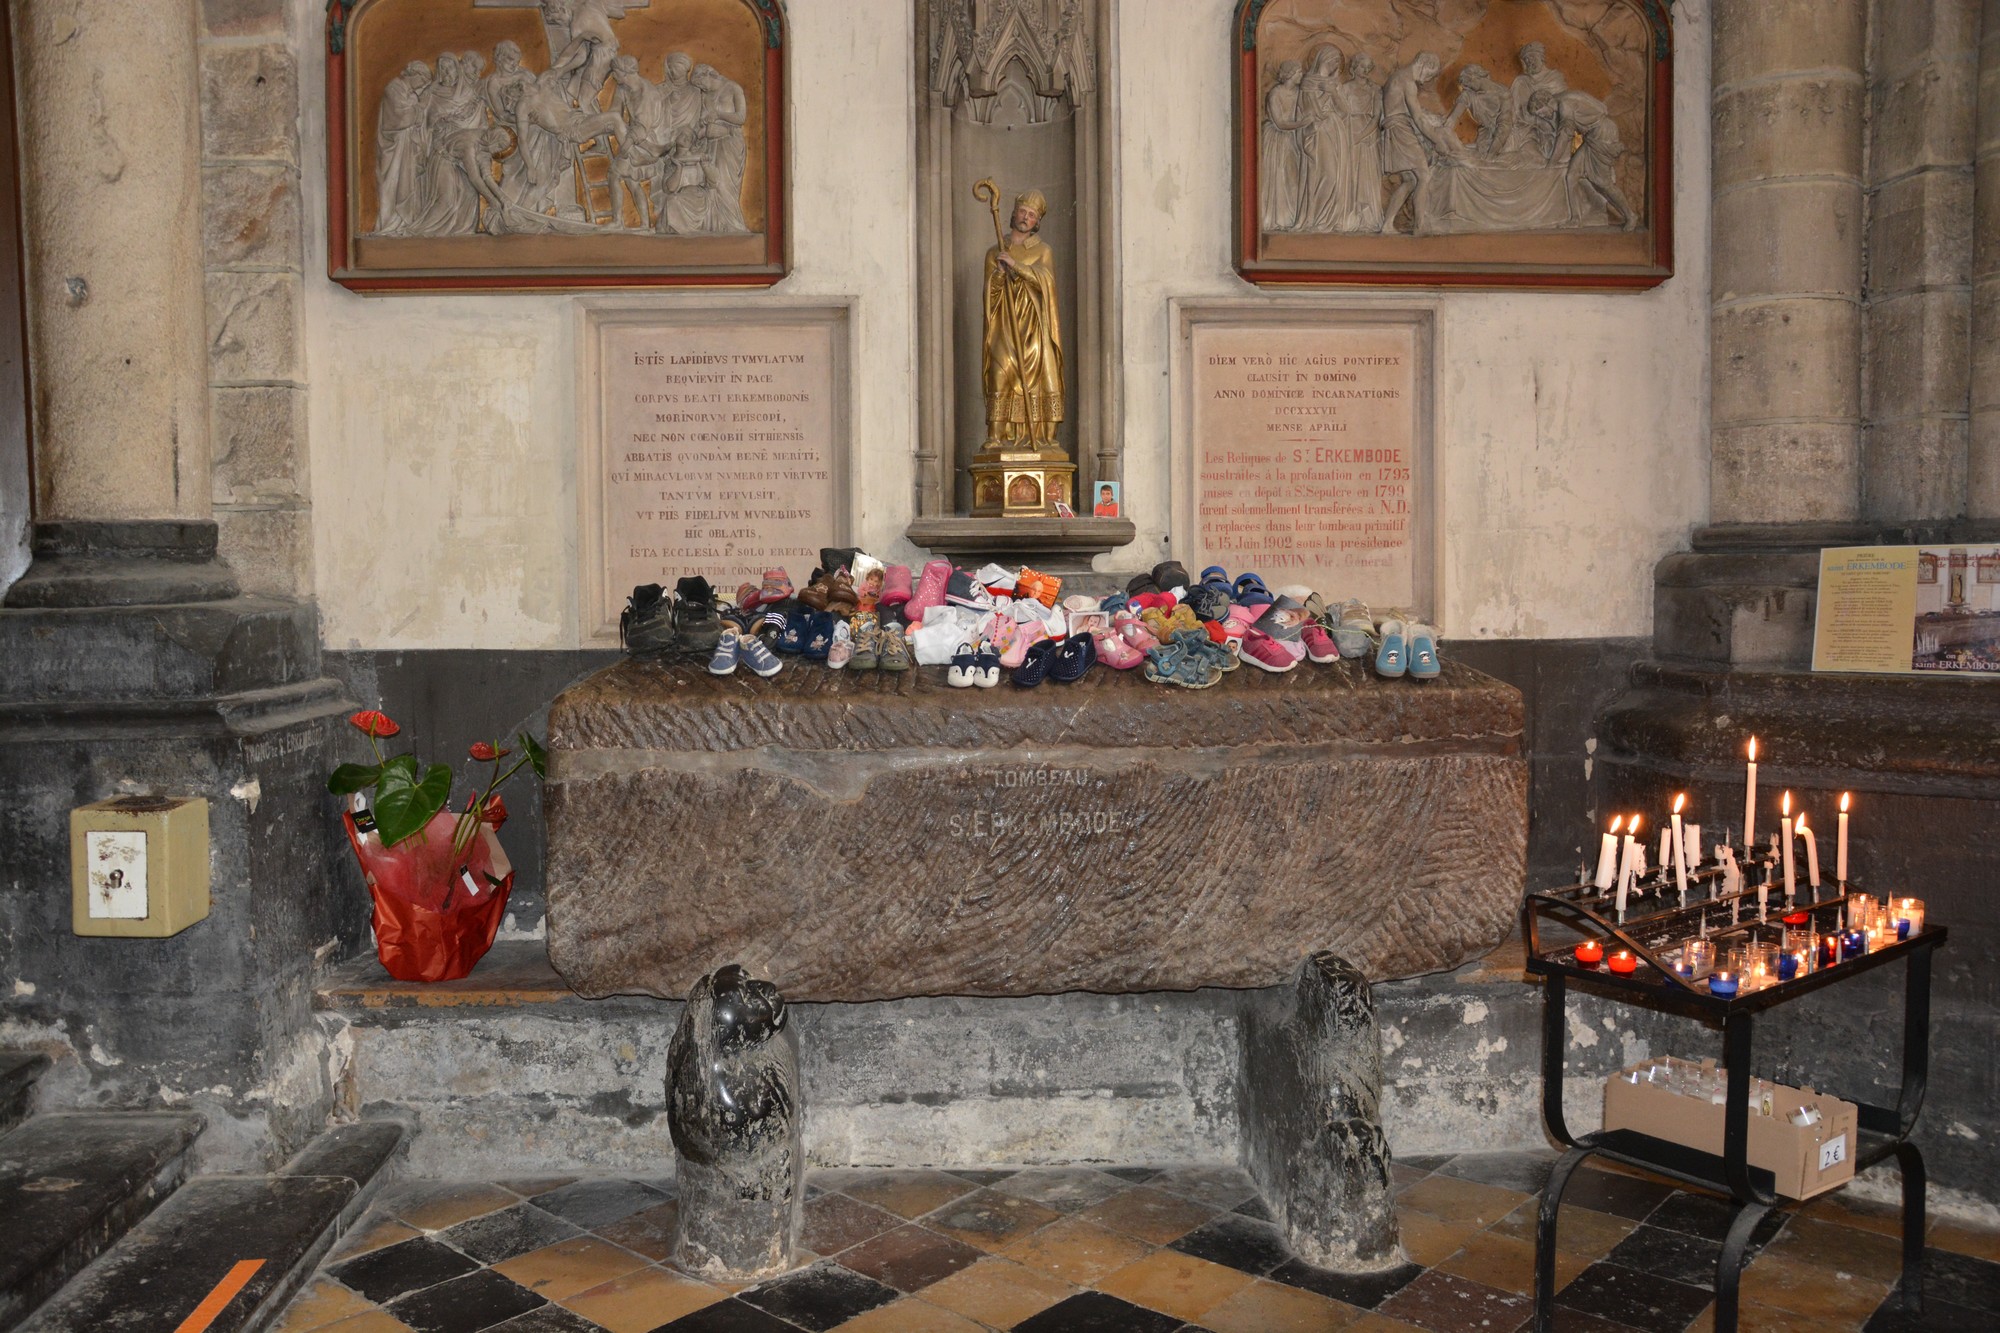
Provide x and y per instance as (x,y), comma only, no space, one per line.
(1326,177)
(1592,173)
(1281,157)
(734,1113)
(1410,136)
(400,148)
(1023,353)
(1490,106)
(1359,103)
(1529,134)
(549,157)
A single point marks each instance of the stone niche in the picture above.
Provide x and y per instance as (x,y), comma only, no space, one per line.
(865,836)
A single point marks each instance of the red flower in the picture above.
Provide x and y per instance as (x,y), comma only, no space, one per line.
(485,753)
(372,723)
(494,812)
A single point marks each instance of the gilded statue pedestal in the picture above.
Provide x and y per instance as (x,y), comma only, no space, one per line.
(1021,483)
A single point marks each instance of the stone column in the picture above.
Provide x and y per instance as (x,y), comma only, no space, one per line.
(111,149)
(1983,464)
(1789,104)
(1922,81)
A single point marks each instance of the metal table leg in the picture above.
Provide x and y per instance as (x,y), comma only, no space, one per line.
(1912,1163)
(1545,1236)
(1729,1267)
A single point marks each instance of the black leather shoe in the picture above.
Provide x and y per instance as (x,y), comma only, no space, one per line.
(646,625)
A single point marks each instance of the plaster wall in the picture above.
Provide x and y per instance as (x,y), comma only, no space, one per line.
(1572,428)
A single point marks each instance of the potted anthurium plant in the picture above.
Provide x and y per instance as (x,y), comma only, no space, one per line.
(439,879)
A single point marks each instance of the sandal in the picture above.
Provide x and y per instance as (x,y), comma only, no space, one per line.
(1216,577)
(1250,591)
(1175,666)
(1201,646)
(1115,652)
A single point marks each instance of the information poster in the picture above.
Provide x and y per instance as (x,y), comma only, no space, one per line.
(717,453)
(1908,610)
(1310,459)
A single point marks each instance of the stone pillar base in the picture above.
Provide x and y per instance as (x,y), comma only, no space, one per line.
(1312,1118)
(142,562)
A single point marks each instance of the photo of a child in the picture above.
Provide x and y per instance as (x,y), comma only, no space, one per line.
(1107,500)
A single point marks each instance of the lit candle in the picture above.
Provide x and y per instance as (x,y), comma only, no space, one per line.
(1840,853)
(1607,857)
(1785,840)
(1854,944)
(1812,851)
(1680,849)
(1589,953)
(1829,949)
(1722,983)
(1623,963)
(1789,965)
(1750,800)
(1908,914)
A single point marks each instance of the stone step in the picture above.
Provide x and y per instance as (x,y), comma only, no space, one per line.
(193,1251)
(72,1184)
(18,1072)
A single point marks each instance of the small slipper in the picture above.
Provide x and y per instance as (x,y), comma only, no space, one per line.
(1034,668)
(797,625)
(1074,657)
(1390,659)
(986,666)
(1424,664)
(818,637)
(963,673)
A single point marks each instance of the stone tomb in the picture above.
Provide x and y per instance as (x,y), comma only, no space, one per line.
(864,836)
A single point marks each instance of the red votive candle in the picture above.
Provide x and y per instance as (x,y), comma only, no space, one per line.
(1589,953)
(1623,963)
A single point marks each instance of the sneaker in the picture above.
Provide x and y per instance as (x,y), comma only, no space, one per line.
(1424,664)
(1354,631)
(723,663)
(1207,603)
(895,650)
(994,579)
(695,618)
(1390,661)
(757,655)
(867,644)
(646,625)
(1320,646)
(842,651)
(1261,650)
(895,586)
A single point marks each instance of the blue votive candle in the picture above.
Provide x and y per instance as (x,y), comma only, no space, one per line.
(1854,944)
(1788,966)
(1722,984)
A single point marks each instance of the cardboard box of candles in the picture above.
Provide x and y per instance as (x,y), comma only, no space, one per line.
(1805,1139)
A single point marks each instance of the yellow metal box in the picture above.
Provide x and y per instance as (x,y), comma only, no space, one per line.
(138,866)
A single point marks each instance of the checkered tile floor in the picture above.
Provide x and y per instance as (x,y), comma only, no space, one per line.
(1123,1250)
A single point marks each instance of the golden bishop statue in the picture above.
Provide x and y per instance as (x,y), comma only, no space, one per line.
(1023,469)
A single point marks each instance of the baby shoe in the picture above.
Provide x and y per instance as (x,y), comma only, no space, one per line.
(1355,628)
(1215,576)
(986,665)
(1115,652)
(757,655)
(1128,626)
(1074,658)
(840,596)
(895,585)
(1250,590)
(1261,650)
(777,587)
(1319,643)
(1390,661)
(1023,640)
(963,673)
(994,579)
(867,636)
(797,625)
(747,595)
(1174,665)
(1207,603)
(723,663)
(1207,649)
(818,637)
(1140,585)
(895,650)
(842,650)
(1424,664)
(817,593)
(1034,667)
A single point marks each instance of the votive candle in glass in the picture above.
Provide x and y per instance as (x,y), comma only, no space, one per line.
(1854,944)
(1623,963)
(1908,914)
(1589,953)
(1699,958)
(1789,965)
(1722,984)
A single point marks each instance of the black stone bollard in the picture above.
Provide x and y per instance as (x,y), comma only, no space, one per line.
(734,1112)
(1312,1119)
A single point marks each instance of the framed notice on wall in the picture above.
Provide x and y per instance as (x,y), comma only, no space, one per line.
(715,442)
(1303,448)
(1908,610)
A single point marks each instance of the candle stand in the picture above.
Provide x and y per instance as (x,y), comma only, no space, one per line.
(1723,917)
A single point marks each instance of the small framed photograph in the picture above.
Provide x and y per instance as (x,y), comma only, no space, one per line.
(1106,500)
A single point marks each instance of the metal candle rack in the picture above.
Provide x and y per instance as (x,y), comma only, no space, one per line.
(1720,914)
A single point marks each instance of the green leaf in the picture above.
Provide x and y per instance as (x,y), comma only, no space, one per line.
(351,778)
(538,758)
(405,762)
(402,806)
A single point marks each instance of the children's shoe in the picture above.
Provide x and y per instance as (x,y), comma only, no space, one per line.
(1174,665)
(993,578)
(986,665)
(1170,574)
(1128,626)
(840,597)
(1320,646)
(1207,603)
(867,644)
(1215,576)
(777,587)
(792,639)
(963,674)
(1355,629)
(1034,668)
(1263,651)
(723,663)
(646,625)
(817,593)
(1114,652)
(1021,642)
(895,650)
(1390,658)
(1166,624)
(1074,658)
(1250,591)
(757,655)
(771,625)
(842,651)
(930,589)
(1424,664)
(747,596)
(895,586)
(819,637)
(1140,585)
(1208,650)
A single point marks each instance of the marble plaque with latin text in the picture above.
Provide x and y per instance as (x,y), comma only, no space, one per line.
(1303,450)
(720,448)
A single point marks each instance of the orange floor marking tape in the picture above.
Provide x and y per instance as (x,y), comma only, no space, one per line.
(216,1301)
